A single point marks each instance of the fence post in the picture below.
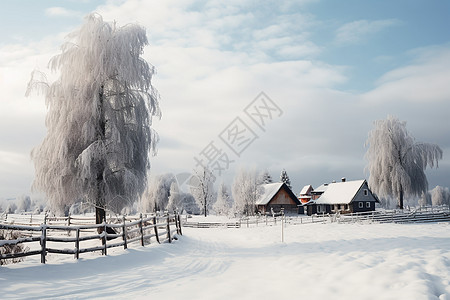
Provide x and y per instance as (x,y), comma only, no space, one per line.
(43,243)
(176,221)
(142,231)
(282,225)
(168,229)
(77,244)
(104,237)
(156,229)
(179,224)
(68,221)
(124,234)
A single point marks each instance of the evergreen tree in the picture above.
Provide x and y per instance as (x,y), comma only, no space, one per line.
(265,178)
(285,178)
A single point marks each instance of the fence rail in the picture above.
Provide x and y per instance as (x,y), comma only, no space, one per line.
(436,214)
(421,215)
(51,237)
(265,220)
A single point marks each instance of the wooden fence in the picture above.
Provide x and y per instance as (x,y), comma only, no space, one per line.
(435,214)
(255,221)
(121,234)
(421,215)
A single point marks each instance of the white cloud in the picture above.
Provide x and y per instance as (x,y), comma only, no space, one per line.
(356,31)
(425,80)
(58,11)
(212,60)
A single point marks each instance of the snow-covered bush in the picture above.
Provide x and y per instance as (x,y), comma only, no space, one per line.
(11,208)
(222,205)
(23,204)
(440,195)
(8,249)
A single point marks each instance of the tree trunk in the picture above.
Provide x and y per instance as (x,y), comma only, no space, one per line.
(400,200)
(100,214)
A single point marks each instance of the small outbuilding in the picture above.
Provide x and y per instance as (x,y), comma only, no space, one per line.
(343,197)
(275,196)
(305,194)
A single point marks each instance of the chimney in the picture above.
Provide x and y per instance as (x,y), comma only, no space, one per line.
(343,179)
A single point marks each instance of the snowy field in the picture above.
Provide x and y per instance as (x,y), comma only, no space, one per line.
(316,261)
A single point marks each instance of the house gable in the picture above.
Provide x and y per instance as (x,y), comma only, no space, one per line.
(364,194)
(277,196)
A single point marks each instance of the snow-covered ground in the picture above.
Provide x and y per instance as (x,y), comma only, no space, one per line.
(316,261)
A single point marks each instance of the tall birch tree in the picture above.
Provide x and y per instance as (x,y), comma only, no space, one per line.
(99,118)
(396,162)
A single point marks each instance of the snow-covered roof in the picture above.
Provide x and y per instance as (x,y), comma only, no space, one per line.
(321,188)
(340,192)
(305,189)
(268,191)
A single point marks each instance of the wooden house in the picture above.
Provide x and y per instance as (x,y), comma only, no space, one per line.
(343,197)
(275,196)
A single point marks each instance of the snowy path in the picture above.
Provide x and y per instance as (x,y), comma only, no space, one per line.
(317,261)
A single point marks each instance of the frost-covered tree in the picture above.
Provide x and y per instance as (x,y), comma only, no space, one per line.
(189,204)
(285,178)
(202,188)
(175,198)
(246,191)
(265,178)
(23,203)
(223,202)
(425,199)
(156,196)
(98,121)
(11,208)
(440,195)
(396,162)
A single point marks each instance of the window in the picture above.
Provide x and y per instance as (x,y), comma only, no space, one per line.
(366,193)
(368,204)
(360,204)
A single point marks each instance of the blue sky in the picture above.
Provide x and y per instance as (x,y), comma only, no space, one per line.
(333,67)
